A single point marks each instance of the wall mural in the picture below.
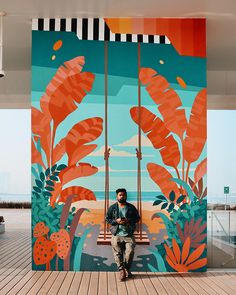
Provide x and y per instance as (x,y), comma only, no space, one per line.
(118,103)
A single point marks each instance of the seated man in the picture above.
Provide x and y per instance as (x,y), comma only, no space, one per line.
(122,216)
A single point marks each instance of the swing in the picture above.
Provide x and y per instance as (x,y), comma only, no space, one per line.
(141,236)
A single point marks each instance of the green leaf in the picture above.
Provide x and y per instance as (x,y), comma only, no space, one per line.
(185,186)
(161,197)
(42,177)
(157,202)
(38,190)
(180,199)
(183,206)
(171,206)
(195,207)
(47,172)
(52,177)
(61,167)
(160,262)
(36,194)
(39,183)
(54,167)
(79,250)
(49,182)
(54,222)
(56,173)
(49,188)
(152,268)
(164,205)
(172,196)
(185,214)
(47,194)
(33,170)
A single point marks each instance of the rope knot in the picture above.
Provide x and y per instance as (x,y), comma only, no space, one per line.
(138,154)
(107,154)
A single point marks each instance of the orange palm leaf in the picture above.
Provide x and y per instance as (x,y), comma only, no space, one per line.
(200,171)
(79,192)
(36,157)
(158,134)
(183,262)
(81,133)
(195,139)
(41,127)
(80,152)
(59,150)
(67,85)
(162,178)
(73,172)
(161,93)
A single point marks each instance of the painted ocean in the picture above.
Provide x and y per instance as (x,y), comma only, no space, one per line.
(132,197)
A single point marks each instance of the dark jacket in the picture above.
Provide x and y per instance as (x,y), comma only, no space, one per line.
(113,213)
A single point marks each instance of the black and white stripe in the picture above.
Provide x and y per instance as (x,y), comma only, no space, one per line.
(92,29)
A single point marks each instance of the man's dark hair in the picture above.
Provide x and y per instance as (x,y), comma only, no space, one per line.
(121,190)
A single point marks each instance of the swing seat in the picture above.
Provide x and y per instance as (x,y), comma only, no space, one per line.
(144,240)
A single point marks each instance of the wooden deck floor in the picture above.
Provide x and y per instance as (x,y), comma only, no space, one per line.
(16,277)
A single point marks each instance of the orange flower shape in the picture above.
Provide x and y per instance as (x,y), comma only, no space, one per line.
(44,251)
(184,262)
(62,239)
(40,230)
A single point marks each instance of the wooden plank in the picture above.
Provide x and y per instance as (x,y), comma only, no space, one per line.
(103,285)
(227,281)
(14,280)
(196,277)
(112,286)
(162,278)
(93,286)
(221,285)
(177,277)
(75,285)
(147,283)
(14,259)
(14,273)
(50,280)
(211,284)
(175,285)
(57,283)
(17,247)
(6,271)
(139,285)
(21,283)
(156,283)
(37,286)
(130,286)
(66,283)
(30,283)
(121,286)
(12,245)
(193,284)
(83,290)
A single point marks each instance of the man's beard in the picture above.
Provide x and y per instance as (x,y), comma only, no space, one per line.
(122,201)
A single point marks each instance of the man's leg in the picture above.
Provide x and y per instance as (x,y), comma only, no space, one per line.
(118,249)
(129,253)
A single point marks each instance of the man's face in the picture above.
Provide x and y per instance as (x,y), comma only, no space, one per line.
(121,197)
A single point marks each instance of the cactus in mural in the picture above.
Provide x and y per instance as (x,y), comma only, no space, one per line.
(54,222)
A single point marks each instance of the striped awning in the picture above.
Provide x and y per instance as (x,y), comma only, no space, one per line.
(93,29)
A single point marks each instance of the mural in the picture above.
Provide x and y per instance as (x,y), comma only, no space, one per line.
(118,103)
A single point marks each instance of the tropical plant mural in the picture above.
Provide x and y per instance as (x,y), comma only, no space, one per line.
(54,220)
(183,198)
(118,103)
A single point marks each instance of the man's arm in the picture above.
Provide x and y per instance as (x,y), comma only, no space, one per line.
(109,218)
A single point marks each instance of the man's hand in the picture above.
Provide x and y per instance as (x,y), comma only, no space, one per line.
(122,221)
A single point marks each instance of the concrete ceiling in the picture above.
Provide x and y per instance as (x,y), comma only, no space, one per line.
(221,39)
